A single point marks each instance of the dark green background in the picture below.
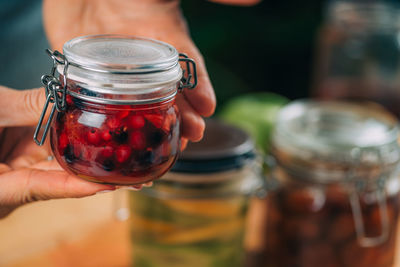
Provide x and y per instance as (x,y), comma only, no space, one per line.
(267,47)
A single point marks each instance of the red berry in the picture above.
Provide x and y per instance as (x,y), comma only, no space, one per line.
(69,100)
(113,122)
(93,137)
(155,119)
(63,141)
(123,114)
(168,122)
(77,149)
(137,121)
(123,153)
(137,140)
(106,135)
(166,149)
(107,151)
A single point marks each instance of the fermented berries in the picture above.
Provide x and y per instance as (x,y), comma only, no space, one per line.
(116,144)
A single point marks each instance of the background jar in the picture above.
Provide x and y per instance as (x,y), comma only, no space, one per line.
(358,53)
(195,215)
(115,120)
(336,200)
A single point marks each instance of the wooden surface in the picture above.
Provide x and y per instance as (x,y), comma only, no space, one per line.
(79,233)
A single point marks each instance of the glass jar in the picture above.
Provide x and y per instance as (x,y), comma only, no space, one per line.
(115,120)
(358,53)
(195,216)
(336,196)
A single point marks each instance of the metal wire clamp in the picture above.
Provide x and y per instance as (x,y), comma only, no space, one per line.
(55,94)
(191,72)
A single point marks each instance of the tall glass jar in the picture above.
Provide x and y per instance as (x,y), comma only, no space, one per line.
(114,118)
(195,216)
(336,201)
(358,53)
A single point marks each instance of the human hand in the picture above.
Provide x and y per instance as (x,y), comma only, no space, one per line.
(158,19)
(26,174)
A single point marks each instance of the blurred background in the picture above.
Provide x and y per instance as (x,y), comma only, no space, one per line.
(259,58)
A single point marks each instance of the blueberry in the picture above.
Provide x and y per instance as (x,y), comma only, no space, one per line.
(69,154)
(155,138)
(145,158)
(108,165)
(121,135)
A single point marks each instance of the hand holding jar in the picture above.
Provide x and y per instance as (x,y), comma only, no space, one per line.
(26,174)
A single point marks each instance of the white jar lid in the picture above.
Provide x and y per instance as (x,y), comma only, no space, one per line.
(120,54)
(120,69)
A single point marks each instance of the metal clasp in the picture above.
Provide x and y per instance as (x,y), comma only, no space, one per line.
(55,93)
(380,195)
(191,72)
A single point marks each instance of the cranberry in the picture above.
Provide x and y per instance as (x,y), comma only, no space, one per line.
(77,149)
(137,121)
(155,119)
(107,151)
(93,137)
(138,140)
(124,113)
(69,100)
(113,123)
(63,141)
(106,135)
(123,153)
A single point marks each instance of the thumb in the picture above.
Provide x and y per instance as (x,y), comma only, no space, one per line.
(28,185)
(20,107)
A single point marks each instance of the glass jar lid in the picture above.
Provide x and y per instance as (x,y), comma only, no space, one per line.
(116,68)
(120,54)
(332,138)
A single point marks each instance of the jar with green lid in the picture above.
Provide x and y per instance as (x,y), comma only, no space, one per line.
(195,215)
(335,196)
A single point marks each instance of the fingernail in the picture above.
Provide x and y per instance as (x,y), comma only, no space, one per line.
(134,187)
(149,184)
(104,191)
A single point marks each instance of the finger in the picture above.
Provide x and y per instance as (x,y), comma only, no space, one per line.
(28,185)
(23,107)
(149,184)
(184,143)
(4,168)
(192,123)
(49,165)
(202,97)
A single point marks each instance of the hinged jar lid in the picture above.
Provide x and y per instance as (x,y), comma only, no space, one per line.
(120,54)
(121,68)
(330,139)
